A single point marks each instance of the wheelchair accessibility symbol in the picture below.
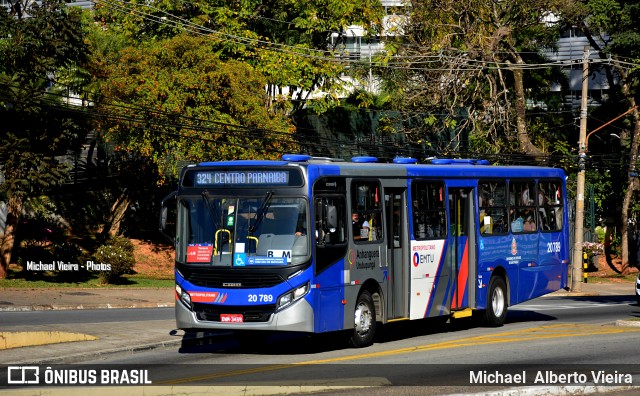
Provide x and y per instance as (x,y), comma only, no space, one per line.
(240,259)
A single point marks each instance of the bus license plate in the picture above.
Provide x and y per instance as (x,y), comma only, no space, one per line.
(231,318)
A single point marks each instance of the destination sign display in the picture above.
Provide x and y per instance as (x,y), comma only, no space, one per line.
(243,178)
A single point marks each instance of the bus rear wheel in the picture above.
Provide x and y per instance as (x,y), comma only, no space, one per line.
(365,321)
(496,311)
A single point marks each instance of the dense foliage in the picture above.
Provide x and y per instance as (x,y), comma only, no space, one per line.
(36,43)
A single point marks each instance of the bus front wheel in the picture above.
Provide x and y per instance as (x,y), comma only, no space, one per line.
(496,312)
(365,321)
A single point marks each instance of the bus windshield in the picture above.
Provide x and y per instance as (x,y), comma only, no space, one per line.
(241,232)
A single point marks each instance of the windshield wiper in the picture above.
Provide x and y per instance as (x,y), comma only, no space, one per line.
(215,216)
(216,219)
(261,212)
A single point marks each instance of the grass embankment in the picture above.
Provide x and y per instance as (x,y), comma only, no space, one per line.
(153,268)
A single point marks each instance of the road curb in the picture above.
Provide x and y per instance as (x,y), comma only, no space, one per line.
(63,307)
(572,294)
(628,323)
(93,355)
(181,342)
(19,339)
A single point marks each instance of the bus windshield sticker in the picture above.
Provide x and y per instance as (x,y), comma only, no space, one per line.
(199,253)
(285,254)
(265,260)
(240,246)
(239,259)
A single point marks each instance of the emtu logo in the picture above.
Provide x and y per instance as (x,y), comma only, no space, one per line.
(416,259)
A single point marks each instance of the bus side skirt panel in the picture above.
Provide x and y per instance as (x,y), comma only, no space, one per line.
(328,293)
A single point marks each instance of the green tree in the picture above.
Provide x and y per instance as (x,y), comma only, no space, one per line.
(465,65)
(175,100)
(288,41)
(613,30)
(36,129)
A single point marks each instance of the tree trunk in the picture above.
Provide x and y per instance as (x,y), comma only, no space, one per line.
(632,186)
(116,215)
(524,140)
(14,211)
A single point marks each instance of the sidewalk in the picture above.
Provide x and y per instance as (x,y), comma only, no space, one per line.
(97,340)
(23,299)
(594,287)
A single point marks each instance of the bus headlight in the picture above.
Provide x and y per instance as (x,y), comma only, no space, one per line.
(292,296)
(184,296)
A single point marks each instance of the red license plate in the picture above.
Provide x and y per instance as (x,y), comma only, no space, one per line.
(231,318)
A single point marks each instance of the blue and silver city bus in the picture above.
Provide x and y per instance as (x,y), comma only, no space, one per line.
(317,245)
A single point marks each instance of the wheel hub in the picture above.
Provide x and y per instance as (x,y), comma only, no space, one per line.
(497,302)
(363,319)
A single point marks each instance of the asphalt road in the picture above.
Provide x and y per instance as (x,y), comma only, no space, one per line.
(551,333)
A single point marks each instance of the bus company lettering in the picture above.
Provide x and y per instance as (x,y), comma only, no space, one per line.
(366,259)
(514,259)
(208,297)
(426,255)
(428,258)
(418,248)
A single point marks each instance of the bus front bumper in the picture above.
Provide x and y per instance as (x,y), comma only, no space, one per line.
(297,317)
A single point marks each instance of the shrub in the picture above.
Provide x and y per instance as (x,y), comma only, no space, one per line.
(122,242)
(70,253)
(118,257)
(592,248)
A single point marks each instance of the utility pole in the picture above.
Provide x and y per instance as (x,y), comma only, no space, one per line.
(576,263)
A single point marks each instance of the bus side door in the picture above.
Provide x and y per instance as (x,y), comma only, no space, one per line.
(461,256)
(397,257)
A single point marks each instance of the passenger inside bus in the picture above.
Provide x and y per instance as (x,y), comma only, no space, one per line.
(360,229)
(529,224)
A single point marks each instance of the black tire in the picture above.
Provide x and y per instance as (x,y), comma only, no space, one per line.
(496,311)
(365,321)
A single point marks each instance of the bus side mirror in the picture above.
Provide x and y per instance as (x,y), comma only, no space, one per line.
(168,218)
(331,218)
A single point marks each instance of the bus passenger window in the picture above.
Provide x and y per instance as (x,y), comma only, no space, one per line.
(429,216)
(550,205)
(492,204)
(366,215)
(523,213)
